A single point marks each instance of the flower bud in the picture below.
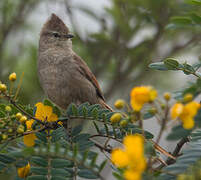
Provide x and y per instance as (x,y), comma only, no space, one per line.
(10,130)
(23,119)
(163,106)
(124,123)
(8,108)
(188,97)
(119,104)
(167,96)
(3,87)
(152,111)
(23,171)
(18,115)
(20,129)
(12,77)
(4,136)
(115,118)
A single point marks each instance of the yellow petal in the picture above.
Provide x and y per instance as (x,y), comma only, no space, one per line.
(47,112)
(141,95)
(23,171)
(134,146)
(138,164)
(119,158)
(29,140)
(130,174)
(176,110)
(53,117)
(39,111)
(153,94)
(29,124)
(188,123)
(192,108)
(136,106)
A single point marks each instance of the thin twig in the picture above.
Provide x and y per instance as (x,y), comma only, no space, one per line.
(19,86)
(175,152)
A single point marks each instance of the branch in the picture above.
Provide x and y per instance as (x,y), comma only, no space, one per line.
(175,152)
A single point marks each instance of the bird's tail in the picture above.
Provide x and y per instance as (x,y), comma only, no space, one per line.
(105,105)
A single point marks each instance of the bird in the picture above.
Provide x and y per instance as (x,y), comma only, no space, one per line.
(63,75)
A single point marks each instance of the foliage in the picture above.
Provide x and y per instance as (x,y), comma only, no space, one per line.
(118,53)
(62,150)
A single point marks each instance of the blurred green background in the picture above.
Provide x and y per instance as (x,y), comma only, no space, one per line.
(128,36)
(117,39)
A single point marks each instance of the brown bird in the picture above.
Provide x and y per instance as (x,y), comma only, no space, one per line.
(63,75)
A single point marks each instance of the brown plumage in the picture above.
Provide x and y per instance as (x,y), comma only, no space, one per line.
(63,75)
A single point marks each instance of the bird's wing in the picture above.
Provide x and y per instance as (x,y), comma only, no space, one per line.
(85,71)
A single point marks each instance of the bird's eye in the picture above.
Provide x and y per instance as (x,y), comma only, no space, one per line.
(56,34)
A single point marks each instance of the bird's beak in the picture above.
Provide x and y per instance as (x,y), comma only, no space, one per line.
(69,36)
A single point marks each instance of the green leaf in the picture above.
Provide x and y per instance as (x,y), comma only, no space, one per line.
(39,170)
(58,134)
(36,177)
(61,163)
(2,166)
(158,66)
(2,114)
(196,18)
(188,69)
(57,111)
(40,161)
(178,132)
(195,2)
(85,145)
(90,109)
(96,126)
(198,118)
(87,174)
(6,159)
(94,113)
(60,172)
(21,163)
(57,178)
(81,137)
(74,110)
(102,165)
(47,102)
(76,130)
(171,64)
(41,136)
(83,109)
(93,160)
(147,115)
(181,20)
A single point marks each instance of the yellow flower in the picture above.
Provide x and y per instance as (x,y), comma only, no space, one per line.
(132,175)
(24,171)
(119,158)
(142,95)
(12,77)
(45,113)
(29,140)
(134,145)
(131,157)
(186,113)
(176,110)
